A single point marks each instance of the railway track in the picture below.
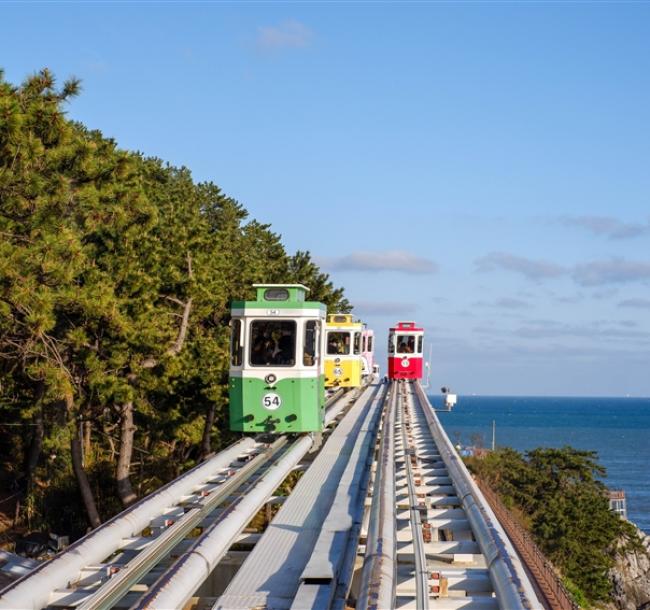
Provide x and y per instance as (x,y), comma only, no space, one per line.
(306,557)
(432,541)
(385,516)
(113,566)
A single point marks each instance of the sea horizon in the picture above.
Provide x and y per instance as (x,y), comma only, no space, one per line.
(616,428)
(595,396)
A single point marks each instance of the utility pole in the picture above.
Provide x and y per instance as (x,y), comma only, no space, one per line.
(494,434)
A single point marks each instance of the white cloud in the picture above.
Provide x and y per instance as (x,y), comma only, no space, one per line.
(388,260)
(532,269)
(386,308)
(610,227)
(594,273)
(597,330)
(637,303)
(289,34)
(614,271)
(504,303)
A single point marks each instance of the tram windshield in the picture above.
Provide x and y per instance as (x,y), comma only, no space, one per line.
(235,343)
(405,344)
(338,343)
(273,343)
(311,351)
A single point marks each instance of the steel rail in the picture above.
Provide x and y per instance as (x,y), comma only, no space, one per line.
(377,590)
(512,587)
(177,585)
(333,397)
(421,571)
(32,591)
(114,589)
(328,572)
(334,406)
(189,571)
(347,568)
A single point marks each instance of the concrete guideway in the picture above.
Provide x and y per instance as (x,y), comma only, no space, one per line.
(298,561)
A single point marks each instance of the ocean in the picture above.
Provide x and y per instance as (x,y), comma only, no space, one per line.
(618,429)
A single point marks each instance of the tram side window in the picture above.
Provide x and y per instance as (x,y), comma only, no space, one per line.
(235,344)
(369,343)
(312,331)
(420,344)
(273,343)
(405,344)
(391,344)
(338,343)
(357,343)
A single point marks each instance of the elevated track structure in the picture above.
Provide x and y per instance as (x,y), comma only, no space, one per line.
(384,515)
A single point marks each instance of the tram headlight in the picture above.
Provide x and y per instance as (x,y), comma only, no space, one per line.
(270,378)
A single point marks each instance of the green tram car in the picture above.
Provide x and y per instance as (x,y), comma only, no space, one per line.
(277,376)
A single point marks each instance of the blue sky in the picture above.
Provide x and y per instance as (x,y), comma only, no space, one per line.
(479,167)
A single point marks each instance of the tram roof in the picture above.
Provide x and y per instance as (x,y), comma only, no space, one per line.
(279,296)
(406,327)
(343,320)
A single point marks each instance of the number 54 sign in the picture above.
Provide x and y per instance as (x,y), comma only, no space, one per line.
(271,401)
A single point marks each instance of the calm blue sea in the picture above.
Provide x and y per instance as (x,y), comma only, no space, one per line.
(617,428)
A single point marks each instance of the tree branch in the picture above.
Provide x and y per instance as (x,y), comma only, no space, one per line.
(175,349)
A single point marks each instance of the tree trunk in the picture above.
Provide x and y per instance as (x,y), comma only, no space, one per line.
(127,433)
(77,464)
(36,442)
(82,479)
(36,446)
(206,446)
(87,440)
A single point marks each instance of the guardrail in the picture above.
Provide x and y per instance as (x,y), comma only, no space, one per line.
(550,584)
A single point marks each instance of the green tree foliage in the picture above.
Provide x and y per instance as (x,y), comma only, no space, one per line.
(116,272)
(561,498)
(303,270)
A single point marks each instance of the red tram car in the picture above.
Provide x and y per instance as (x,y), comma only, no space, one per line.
(405,351)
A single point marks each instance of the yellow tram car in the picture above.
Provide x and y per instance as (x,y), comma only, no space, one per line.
(343,362)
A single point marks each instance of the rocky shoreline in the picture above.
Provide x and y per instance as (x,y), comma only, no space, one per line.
(631,578)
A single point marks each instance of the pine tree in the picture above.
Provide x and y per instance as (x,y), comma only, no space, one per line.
(116,275)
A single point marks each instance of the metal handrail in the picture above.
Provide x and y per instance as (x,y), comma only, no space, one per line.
(528,549)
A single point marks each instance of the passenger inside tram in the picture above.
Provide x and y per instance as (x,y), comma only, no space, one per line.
(406,344)
(338,343)
(285,351)
(273,343)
